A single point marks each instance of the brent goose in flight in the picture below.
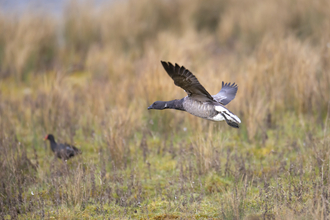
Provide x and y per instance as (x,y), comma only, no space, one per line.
(62,151)
(199,102)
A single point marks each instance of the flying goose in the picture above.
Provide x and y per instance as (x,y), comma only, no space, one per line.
(199,102)
(62,151)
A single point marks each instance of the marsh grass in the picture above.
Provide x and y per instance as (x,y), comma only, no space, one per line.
(89,76)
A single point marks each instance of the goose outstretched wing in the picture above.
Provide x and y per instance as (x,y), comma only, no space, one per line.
(226,94)
(183,78)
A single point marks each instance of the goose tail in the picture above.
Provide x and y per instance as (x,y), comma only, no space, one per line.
(231,119)
(231,123)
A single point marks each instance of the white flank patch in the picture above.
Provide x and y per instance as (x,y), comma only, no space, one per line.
(220,108)
(165,105)
(218,117)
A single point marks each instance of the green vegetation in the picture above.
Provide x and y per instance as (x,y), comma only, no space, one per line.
(89,76)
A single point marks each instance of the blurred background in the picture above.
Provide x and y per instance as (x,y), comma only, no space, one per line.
(86,71)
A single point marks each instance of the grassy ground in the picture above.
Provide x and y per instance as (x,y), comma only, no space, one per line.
(89,76)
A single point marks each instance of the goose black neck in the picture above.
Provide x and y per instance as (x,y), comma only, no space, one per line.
(174,104)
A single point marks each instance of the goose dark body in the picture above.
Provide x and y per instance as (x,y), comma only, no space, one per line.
(199,102)
(62,151)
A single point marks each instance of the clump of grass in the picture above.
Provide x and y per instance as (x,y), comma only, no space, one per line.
(24,49)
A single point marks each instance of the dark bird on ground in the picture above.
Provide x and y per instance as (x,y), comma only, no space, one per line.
(199,102)
(62,151)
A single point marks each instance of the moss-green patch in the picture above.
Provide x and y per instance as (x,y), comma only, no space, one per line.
(216,184)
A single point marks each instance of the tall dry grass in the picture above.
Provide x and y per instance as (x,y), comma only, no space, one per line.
(89,76)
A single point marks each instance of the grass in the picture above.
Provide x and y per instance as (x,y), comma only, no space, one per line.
(88,77)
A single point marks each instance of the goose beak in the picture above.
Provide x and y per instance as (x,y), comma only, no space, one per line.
(46,137)
(150,107)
